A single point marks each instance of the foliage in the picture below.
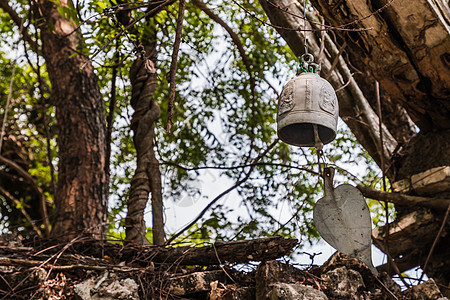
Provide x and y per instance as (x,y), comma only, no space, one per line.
(217,122)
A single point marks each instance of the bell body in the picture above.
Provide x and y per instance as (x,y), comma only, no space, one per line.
(305,101)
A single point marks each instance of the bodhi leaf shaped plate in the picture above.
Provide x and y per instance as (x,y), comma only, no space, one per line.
(342,218)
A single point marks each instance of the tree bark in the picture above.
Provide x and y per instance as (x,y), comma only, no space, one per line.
(82,193)
(233,252)
(147,178)
(218,253)
(406,50)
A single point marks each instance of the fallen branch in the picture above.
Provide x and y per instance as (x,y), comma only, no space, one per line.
(142,258)
(233,252)
(37,263)
(404,200)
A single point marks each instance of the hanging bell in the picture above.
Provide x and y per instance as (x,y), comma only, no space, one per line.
(307,108)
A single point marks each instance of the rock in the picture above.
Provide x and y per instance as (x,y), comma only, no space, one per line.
(112,288)
(289,291)
(242,293)
(424,291)
(356,274)
(194,282)
(343,283)
(271,272)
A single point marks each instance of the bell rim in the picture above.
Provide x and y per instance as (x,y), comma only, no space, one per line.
(332,138)
(308,117)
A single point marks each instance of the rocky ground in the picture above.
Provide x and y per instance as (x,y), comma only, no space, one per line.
(85,269)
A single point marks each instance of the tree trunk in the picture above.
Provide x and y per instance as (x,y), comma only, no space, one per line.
(147,178)
(82,193)
(406,50)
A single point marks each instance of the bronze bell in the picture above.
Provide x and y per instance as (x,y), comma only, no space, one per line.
(307,108)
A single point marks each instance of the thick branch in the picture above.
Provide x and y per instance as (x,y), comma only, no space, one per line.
(354,108)
(404,200)
(266,248)
(233,252)
(417,80)
(236,251)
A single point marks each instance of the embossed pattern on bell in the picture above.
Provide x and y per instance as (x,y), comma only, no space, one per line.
(286,102)
(305,101)
(327,98)
(308,94)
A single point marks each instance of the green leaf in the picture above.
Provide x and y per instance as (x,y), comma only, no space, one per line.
(102,5)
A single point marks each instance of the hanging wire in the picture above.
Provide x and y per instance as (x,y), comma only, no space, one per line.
(320,157)
(306,60)
(304,25)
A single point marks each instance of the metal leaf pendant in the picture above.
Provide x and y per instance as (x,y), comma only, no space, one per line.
(342,218)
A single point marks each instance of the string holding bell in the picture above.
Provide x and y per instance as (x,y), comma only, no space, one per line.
(307,64)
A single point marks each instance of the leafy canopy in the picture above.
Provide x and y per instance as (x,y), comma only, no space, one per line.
(221,121)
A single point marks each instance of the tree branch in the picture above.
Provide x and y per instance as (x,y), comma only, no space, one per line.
(174,63)
(245,59)
(37,263)
(38,190)
(404,200)
(240,166)
(19,22)
(230,31)
(237,184)
(438,235)
(110,117)
(19,206)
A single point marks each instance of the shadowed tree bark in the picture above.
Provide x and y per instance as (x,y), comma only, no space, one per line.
(82,193)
